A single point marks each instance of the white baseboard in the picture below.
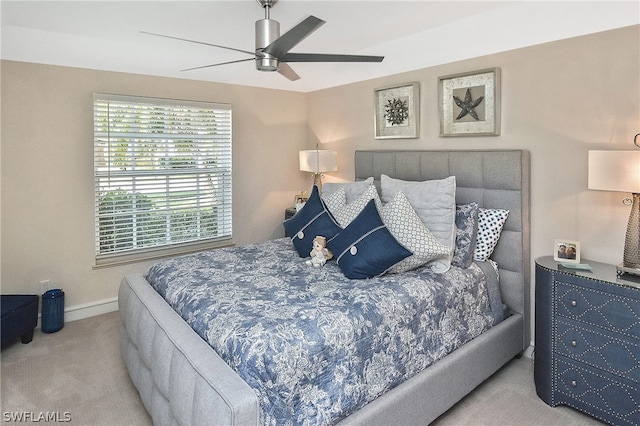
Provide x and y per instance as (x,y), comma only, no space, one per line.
(529,352)
(90,309)
(78,312)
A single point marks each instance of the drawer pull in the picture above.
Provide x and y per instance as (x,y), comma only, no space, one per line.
(574,303)
(574,383)
(574,343)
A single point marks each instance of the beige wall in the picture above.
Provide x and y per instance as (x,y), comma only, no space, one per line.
(558,101)
(47,170)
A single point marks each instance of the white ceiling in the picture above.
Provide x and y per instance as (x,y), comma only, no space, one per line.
(411,35)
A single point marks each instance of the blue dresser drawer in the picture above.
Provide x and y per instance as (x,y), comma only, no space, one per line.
(609,398)
(611,352)
(587,353)
(605,310)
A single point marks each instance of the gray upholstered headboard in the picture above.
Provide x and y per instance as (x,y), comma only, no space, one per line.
(493,179)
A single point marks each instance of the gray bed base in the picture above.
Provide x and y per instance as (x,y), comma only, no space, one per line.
(181,380)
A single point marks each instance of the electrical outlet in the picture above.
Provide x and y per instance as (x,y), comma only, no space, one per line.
(44,286)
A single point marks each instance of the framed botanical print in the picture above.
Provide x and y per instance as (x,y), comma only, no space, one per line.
(469,103)
(397,112)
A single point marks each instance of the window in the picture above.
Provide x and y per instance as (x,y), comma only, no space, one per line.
(162,176)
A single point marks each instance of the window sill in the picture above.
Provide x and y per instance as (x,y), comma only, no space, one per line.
(107,261)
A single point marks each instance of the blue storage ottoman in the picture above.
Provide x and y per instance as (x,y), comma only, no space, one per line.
(19,317)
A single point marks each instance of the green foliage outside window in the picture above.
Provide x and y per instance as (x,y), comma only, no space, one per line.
(129,220)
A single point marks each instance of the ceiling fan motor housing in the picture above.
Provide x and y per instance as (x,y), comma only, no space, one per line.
(267,30)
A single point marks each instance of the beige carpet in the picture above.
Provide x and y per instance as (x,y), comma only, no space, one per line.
(77,374)
(77,370)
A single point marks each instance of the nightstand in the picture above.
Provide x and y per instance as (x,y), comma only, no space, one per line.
(289,212)
(587,340)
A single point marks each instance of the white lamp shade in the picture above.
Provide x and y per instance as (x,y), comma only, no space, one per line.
(318,161)
(615,171)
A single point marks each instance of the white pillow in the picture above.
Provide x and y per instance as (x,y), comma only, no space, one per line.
(407,228)
(434,201)
(490,224)
(353,190)
(345,213)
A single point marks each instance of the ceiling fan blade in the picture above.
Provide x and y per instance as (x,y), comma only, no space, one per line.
(215,65)
(199,42)
(288,72)
(322,57)
(295,35)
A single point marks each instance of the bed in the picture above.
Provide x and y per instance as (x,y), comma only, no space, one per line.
(182,380)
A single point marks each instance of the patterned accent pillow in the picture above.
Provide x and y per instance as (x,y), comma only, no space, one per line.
(334,200)
(312,220)
(366,248)
(408,229)
(466,234)
(490,224)
(435,203)
(346,212)
(352,190)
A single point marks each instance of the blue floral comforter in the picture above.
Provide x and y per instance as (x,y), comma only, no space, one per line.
(314,345)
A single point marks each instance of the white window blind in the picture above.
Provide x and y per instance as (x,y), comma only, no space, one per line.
(162,175)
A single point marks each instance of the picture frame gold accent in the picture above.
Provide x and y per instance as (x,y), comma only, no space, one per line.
(469,103)
(397,111)
(566,251)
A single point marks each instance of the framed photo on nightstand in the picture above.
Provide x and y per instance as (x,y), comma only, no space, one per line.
(299,200)
(566,251)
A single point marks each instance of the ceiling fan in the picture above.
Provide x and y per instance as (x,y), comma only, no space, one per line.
(272,49)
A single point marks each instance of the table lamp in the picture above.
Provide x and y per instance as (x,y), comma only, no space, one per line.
(620,171)
(318,161)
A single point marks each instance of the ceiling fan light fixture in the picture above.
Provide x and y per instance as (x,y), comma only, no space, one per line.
(267,30)
(267,63)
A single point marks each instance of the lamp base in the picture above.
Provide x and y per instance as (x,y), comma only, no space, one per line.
(631,255)
(621,270)
(317,181)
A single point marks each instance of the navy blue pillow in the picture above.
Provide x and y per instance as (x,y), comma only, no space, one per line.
(312,220)
(366,248)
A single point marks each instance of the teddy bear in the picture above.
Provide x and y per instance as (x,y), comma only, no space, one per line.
(319,253)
